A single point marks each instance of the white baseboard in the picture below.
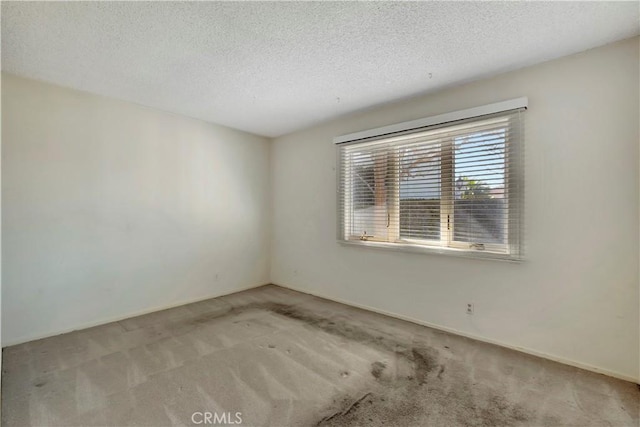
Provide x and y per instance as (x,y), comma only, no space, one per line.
(532,352)
(126,316)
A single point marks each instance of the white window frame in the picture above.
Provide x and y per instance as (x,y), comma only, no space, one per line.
(512,250)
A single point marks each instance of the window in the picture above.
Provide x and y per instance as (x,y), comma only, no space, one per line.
(450,184)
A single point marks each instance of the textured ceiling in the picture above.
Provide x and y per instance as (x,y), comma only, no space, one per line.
(272,68)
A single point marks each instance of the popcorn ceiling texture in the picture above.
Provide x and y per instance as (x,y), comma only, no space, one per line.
(272,68)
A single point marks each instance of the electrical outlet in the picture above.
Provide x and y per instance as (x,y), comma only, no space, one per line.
(469,308)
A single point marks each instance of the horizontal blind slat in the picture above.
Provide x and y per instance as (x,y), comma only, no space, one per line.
(456,185)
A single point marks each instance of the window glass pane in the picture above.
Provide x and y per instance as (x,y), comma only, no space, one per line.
(369,180)
(420,191)
(480,205)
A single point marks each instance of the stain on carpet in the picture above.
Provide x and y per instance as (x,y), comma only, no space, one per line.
(376,369)
(413,394)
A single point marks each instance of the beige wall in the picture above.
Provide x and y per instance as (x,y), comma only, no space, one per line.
(111,209)
(576,297)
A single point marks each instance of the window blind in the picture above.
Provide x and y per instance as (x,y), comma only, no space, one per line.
(454,187)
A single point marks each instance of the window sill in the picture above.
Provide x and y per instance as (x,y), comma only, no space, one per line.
(417,248)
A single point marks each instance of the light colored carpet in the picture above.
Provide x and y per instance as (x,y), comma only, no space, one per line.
(284,358)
